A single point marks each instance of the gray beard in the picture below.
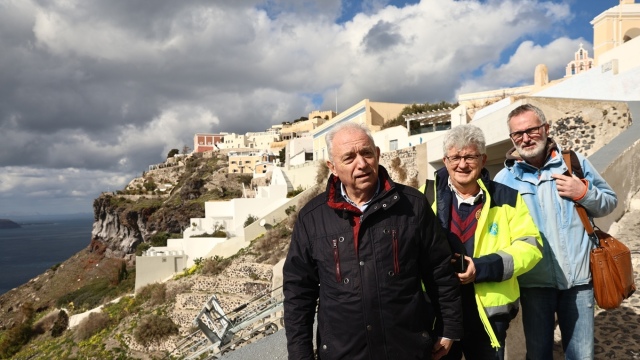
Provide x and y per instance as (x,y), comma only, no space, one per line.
(540,149)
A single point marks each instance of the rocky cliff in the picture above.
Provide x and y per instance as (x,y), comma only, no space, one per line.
(160,201)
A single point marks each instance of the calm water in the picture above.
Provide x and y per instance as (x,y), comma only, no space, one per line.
(41,243)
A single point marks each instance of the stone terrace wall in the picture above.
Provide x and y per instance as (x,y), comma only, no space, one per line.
(584,125)
(402,165)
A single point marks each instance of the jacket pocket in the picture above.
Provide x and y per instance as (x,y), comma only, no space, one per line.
(394,246)
(335,266)
(389,250)
(336,259)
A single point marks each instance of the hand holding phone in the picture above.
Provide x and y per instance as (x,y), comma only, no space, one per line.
(459,262)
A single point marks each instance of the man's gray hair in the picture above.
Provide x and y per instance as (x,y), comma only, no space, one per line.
(525,108)
(347,125)
(462,136)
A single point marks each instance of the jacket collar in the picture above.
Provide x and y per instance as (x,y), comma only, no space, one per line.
(335,200)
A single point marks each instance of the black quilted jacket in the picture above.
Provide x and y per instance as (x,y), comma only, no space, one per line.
(370,302)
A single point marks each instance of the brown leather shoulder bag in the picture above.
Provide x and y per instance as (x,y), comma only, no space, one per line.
(611,267)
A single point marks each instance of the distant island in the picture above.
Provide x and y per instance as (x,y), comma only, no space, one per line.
(8,224)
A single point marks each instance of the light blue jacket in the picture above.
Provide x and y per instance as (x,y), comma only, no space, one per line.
(566,245)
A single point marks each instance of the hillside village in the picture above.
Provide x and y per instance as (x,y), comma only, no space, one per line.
(216,218)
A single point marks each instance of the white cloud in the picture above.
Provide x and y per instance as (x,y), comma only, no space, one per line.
(112,86)
(519,69)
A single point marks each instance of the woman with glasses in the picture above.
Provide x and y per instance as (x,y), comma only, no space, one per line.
(492,236)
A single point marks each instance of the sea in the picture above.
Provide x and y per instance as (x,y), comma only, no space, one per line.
(41,243)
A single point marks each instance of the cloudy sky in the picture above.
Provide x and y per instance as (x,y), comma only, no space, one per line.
(93,91)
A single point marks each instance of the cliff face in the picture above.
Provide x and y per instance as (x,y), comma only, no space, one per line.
(116,229)
(124,220)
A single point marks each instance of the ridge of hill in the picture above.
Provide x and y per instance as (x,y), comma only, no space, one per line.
(126,221)
(8,224)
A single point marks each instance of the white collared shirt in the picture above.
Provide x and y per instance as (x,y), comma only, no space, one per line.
(364,206)
(472,200)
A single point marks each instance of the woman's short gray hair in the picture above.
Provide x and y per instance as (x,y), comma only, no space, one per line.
(462,136)
(347,125)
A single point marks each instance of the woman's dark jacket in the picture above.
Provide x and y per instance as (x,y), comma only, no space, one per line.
(370,302)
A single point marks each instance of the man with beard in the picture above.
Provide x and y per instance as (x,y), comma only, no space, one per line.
(359,252)
(560,284)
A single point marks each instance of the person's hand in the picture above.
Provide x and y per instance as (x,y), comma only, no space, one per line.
(570,187)
(441,348)
(468,276)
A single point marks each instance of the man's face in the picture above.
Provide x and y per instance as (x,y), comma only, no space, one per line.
(532,143)
(355,161)
(464,166)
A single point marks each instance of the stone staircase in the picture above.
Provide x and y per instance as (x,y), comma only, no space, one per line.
(235,286)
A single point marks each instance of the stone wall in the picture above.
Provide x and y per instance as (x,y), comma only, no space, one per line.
(402,165)
(584,125)
(587,131)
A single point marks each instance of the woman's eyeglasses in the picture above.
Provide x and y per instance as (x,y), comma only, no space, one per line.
(469,159)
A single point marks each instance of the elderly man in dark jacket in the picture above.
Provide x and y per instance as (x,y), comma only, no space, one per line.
(360,253)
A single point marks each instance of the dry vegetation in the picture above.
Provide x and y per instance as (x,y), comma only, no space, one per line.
(35,317)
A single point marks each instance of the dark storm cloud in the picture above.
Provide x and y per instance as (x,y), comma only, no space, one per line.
(93,92)
(383,36)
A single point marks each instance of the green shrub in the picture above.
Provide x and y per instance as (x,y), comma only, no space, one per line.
(60,324)
(141,248)
(91,325)
(159,238)
(250,220)
(245,179)
(100,290)
(295,192)
(150,185)
(154,293)
(290,210)
(215,265)
(126,306)
(154,328)
(14,339)
(172,152)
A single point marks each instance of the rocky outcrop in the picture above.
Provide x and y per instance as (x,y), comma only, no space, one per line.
(8,224)
(122,222)
(116,231)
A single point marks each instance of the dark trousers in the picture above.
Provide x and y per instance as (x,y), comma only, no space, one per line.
(476,344)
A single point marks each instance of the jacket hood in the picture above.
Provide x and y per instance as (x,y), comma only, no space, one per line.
(512,155)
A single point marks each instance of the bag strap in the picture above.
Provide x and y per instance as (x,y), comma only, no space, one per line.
(582,212)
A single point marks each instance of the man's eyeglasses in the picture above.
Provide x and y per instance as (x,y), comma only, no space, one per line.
(469,159)
(517,135)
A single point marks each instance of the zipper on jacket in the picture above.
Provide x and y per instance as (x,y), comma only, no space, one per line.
(336,259)
(394,239)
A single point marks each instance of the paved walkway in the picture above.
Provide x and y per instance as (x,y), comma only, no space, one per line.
(617,334)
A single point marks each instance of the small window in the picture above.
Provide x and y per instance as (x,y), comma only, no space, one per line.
(393,145)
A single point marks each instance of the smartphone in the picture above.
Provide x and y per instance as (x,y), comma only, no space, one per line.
(460,263)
